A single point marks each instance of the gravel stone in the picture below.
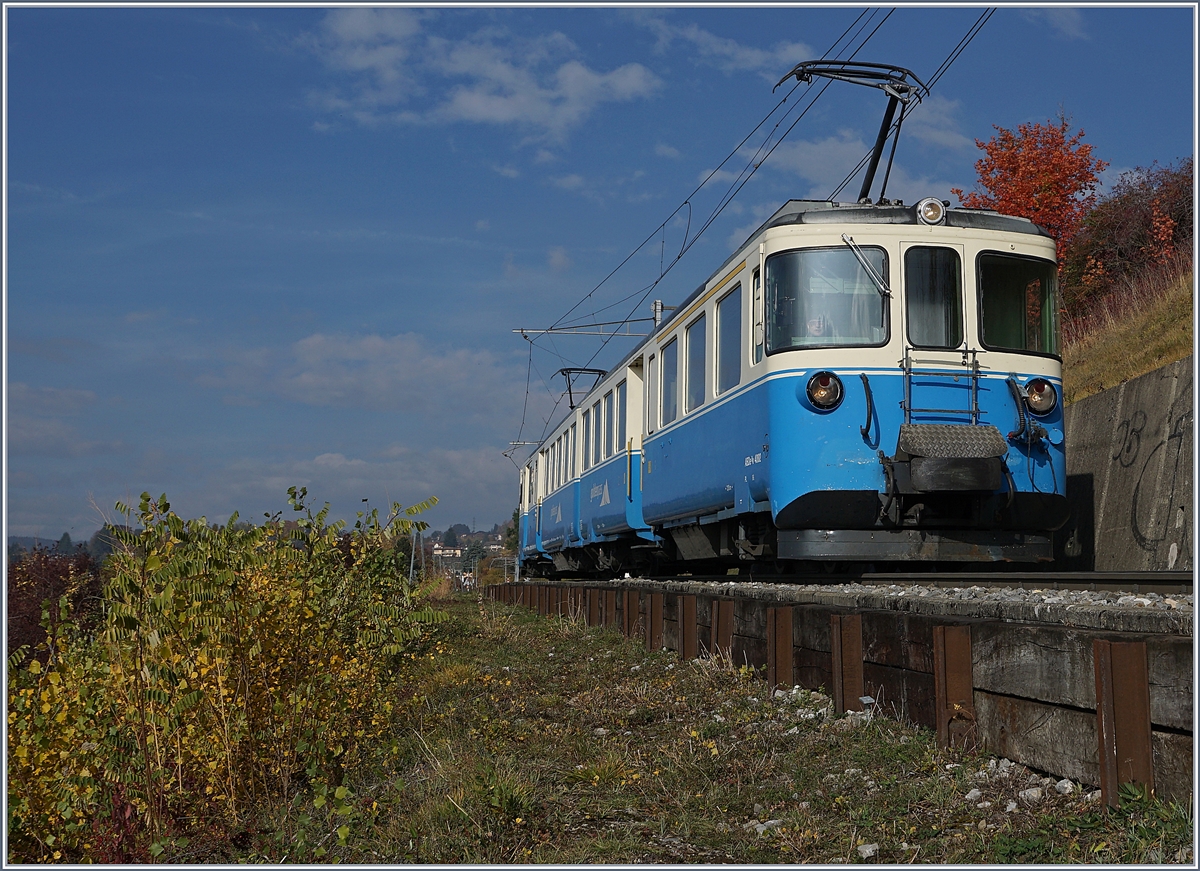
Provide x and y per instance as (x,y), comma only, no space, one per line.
(1010,807)
(974,795)
(1030,796)
(868,850)
(1064,787)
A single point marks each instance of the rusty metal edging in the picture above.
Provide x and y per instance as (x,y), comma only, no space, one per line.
(1123,728)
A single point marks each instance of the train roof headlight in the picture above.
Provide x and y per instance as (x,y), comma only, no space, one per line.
(825,391)
(1040,396)
(931,211)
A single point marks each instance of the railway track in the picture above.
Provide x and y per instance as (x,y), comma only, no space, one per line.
(1163,583)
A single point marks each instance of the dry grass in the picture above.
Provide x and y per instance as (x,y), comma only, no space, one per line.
(535,740)
(1134,330)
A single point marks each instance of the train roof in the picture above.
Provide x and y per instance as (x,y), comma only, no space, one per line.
(889,212)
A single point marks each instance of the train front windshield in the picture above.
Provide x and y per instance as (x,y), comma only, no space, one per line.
(823,297)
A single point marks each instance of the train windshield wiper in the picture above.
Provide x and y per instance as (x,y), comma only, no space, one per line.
(880,284)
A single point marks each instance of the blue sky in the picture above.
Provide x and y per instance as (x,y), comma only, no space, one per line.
(253,247)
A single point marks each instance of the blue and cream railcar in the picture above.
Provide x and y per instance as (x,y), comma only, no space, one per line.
(856,383)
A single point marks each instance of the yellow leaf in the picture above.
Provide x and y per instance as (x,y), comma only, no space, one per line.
(35,667)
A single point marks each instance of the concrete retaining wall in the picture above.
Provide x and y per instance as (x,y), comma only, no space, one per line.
(1023,682)
(1129,476)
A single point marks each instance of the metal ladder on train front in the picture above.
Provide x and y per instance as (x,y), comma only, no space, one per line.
(970,361)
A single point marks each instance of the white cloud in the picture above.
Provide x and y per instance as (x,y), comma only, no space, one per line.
(479,480)
(403,74)
(483,225)
(933,121)
(508,171)
(718,177)
(1066,22)
(726,54)
(403,373)
(826,163)
(557,259)
(664,150)
(37,424)
(822,163)
(571,182)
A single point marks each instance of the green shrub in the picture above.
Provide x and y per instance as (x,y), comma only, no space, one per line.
(233,665)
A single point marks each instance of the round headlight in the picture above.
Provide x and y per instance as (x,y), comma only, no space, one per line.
(1040,396)
(931,210)
(825,390)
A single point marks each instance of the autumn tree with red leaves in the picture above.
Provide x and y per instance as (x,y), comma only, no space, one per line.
(1039,172)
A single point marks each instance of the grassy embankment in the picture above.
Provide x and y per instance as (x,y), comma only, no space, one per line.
(1146,325)
(536,740)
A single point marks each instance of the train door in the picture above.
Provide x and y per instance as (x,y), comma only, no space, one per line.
(941,366)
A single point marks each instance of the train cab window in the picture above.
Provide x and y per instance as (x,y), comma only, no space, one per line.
(651,396)
(621,436)
(573,446)
(729,340)
(670,381)
(608,424)
(596,434)
(697,371)
(587,440)
(823,297)
(933,296)
(1018,304)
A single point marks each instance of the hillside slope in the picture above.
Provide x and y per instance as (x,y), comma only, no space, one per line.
(1140,339)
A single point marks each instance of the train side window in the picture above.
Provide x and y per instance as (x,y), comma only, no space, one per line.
(609,420)
(933,297)
(729,340)
(596,434)
(587,440)
(573,446)
(1018,303)
(621,433)
(651,396)
(697,371)
(757,315)
(670,381)
(562,459)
